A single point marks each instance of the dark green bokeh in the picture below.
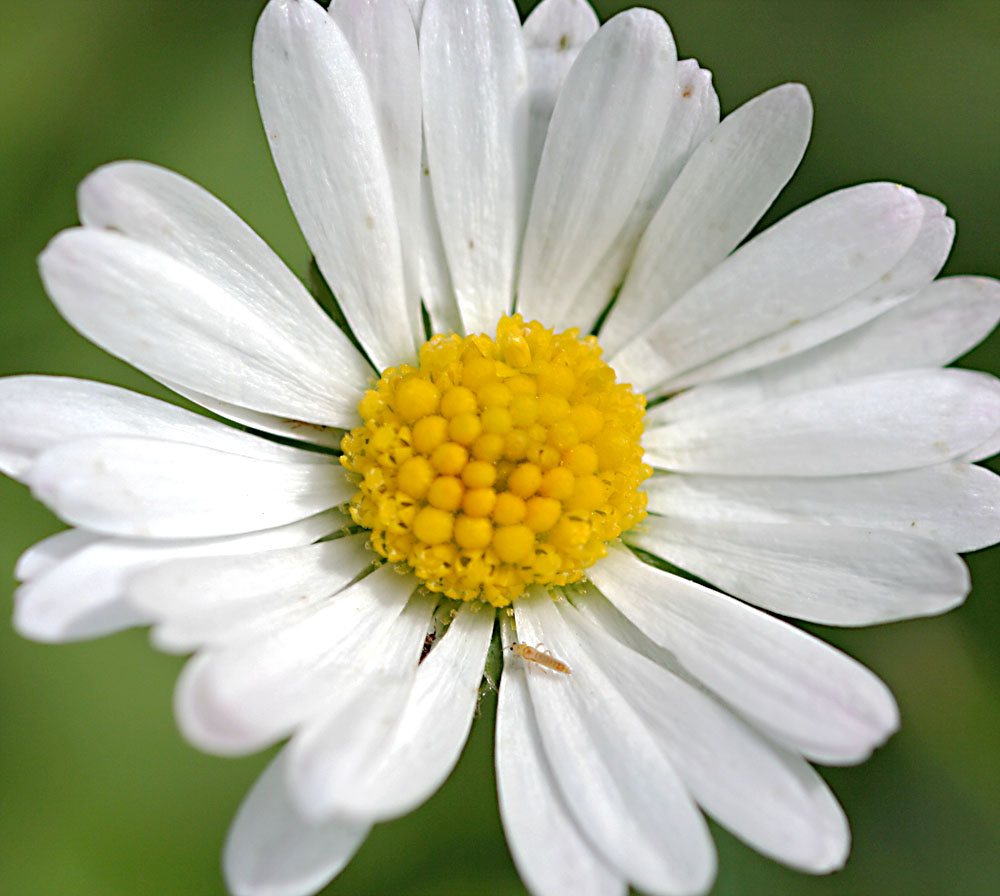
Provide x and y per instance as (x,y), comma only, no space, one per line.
(100,795)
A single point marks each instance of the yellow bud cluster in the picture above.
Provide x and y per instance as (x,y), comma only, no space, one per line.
(498,463)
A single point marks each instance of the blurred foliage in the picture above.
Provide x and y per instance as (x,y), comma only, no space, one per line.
(100,795)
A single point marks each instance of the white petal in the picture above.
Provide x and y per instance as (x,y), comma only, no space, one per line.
(248,693)
(358,717)
(383,39)
(323,129)
(476,103)
(815,699)
(984,450)
(554,33)
(46,554)
(140,304)
(931,329)
(79,599)
(694,111)
(811,261)
(272,851)
(884,299)
(953,503)
(549,850)
(601,143)
(150,488)
(311,433)
(769,798)
(39,412)
(885,422)
(163,210)
(219,599)
(433,726)
(830,574)
(729,182)
(610,770)
(436,287)
(84,595)
(694,114)
(416,8)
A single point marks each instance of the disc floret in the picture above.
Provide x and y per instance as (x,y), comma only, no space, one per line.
(498,463)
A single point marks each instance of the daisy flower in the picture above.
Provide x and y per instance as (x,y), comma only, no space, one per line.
(575,421)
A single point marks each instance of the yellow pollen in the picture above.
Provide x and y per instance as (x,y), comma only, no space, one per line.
(498,463)
(508,509)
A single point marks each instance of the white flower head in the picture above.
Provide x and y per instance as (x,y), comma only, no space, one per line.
(567,390)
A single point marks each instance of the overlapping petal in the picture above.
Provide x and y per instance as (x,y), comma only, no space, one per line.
(837,575)
(722,191)
(880,423)
(803,265)
(766,795)
(247,693)
(601,143)
(152,488)
(953,503)
(41,412)
(222,338)
(272,851)
(817,700)
(637,813)
(476,97)
(324,131)
(77,583)
(549,848)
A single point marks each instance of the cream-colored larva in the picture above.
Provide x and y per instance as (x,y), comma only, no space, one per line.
(541,657)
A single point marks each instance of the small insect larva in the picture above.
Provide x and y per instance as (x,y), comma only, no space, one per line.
(541,657)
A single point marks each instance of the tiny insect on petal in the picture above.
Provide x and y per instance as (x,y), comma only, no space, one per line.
(539,657)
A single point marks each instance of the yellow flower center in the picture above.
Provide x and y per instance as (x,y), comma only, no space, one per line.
(498,464)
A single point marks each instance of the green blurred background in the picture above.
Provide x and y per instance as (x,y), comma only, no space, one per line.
(99,795)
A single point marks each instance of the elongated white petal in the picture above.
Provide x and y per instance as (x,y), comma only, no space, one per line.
(476,103)
(213,600)
(84,594)
(149,488)
(953,503)
(366,706)
(384,41)
(694,114)
(830,574)
(272,851)
(433,726)
(611,772)
(299,430)
(817,700)
(39,412)
(248,693)
(550,851)
(554,33)
(891,421)
(811,261)
(45,554)
(436,288)
(886,297)
(721,193)
(324,133)
(930,329)
(769,798)
(601,143)
(118,291)
(168,212)
(79,599)
(694,111)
